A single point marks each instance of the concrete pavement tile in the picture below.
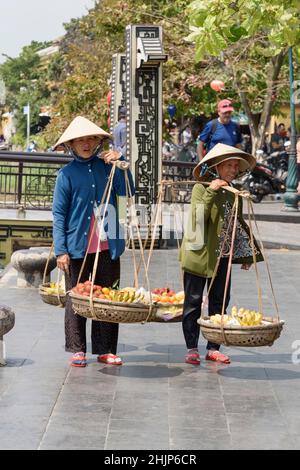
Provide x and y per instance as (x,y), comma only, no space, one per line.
(190,443)
(208,420)
(263,441)
(72,440)
(256,422)
(237,404)
(122,440)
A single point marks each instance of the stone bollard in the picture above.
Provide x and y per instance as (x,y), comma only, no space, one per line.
(30,265)
(7,322)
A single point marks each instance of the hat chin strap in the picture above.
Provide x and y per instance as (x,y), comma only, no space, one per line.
(97,150)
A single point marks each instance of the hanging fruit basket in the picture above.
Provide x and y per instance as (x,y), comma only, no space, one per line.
(243,328)
(244,336)
(53,293)
(110,311)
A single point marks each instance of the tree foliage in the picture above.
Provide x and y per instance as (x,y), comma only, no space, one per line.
(90,43)
(24,78)
(246,43)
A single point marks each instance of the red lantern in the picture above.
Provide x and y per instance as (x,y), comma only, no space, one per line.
(109,95)
(108,122)
(217,85)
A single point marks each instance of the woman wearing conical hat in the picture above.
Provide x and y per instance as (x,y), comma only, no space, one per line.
(78,192)
(210,216)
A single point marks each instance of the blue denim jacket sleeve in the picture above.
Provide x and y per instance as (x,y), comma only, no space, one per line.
(61,203)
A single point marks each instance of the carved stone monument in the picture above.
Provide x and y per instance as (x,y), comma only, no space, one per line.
(144,58)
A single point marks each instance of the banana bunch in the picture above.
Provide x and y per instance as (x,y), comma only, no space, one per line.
(245,317)
(128,295)
(217,319)
(55,289)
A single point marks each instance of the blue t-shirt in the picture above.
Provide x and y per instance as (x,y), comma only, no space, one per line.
(228,134)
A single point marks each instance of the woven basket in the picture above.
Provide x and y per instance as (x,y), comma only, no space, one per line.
(250,336)
(52,299)
(112,312)
(177,319)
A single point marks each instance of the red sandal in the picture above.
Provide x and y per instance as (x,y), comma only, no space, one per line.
(78,360)
(193,357)
(111,359)
(216,356)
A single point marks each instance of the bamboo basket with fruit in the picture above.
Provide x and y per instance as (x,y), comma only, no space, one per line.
(53,293)
(244,327)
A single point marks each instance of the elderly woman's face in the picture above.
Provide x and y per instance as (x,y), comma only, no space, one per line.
(228,170)
(84,146)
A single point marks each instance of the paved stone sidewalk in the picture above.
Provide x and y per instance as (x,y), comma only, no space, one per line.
(155,400)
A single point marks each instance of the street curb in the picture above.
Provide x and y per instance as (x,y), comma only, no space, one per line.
(287,218)
(280,245)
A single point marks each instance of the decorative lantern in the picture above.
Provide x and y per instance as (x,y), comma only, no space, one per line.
(172,110)
(217,85)
(109,95)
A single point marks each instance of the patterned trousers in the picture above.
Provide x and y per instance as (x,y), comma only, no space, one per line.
(104,334)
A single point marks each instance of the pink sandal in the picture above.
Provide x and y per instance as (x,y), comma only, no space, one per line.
(193,357)
(217,357)
(111,359)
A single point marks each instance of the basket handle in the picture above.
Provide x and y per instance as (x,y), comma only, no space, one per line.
(58,274)
(146,267)
(47,263)
(250,210)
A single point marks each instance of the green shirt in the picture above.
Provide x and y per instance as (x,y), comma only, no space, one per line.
(201,244)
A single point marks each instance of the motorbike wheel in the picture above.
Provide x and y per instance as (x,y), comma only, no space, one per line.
(256,198)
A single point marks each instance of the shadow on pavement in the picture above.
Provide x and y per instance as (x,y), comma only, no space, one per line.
(143,372)
(18,362)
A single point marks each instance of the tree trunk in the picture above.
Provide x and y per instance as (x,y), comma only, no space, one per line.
(258,131)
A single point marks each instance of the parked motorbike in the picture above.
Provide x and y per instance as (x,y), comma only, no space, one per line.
(268,177)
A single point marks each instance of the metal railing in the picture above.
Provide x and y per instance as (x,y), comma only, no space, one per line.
(28,179)
(181,173)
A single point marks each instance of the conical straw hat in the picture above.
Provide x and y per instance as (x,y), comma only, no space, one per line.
(81,127)
(218,154)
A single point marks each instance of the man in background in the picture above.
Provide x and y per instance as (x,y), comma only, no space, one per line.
(119,132)
(220,130)
(278,138)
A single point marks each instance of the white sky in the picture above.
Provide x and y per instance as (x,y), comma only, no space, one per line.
(22,21)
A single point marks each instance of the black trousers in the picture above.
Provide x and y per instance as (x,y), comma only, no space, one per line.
(193,288)
(104,334)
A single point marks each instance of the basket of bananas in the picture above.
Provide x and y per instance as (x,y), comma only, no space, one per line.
(127,305)
(244,327)
(53,293)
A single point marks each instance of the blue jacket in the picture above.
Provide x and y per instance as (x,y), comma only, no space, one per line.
(79,186)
